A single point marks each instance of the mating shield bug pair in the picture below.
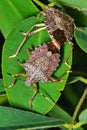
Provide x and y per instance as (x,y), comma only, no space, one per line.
(44,60)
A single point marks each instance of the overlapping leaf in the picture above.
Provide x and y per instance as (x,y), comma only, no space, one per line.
(12,12)
(81,38)
(14,119)
(79,4)
(83,116)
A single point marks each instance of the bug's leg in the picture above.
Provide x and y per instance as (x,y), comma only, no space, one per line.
(56,79)
(35,93)
(31,32)
(27,34)
(59,78)
(15,78)
(33,96)
(28,51)
(67,64)
(63,74)
(68,56)
(20,63)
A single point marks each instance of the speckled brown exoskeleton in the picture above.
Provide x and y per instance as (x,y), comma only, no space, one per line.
(44,60)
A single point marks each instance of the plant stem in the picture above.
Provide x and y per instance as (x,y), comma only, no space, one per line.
(84,80)
(52,4)
(78,108)
(40,4)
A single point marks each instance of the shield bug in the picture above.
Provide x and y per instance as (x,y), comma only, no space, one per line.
(40,66)
(44,60)
(59,25)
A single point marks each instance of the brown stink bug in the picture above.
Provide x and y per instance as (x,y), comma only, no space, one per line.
(59,25)
(40,66)
(44,60)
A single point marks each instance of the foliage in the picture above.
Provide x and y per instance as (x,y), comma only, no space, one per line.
(19,16)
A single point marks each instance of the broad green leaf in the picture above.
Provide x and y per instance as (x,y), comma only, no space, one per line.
(1,86)
(12,12)
(81,38)
(13,119)
(19,94)
(83,116)
(79,4)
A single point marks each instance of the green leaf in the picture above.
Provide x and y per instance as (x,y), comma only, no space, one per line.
(79,4)
(12,12)
(59,113)
(19,94)
(81,38)
(83,116)
(13,119)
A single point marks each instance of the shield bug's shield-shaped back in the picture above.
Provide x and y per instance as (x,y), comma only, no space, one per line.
(41,66)
(60,25)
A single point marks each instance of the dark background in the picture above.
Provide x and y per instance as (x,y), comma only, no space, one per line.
(1,45)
